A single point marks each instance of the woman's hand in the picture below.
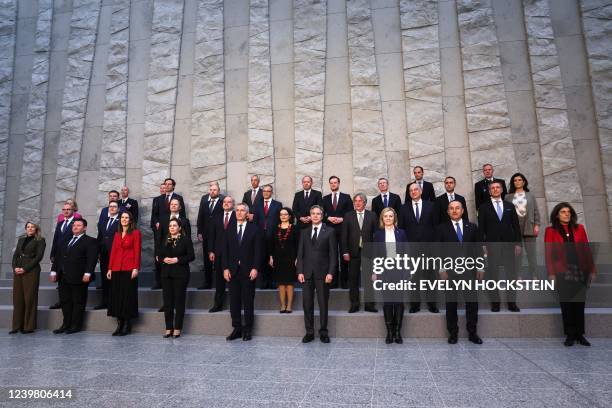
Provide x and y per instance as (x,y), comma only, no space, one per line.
(134,273)
(536,230)
(170,261)
(271,262)
(108,275)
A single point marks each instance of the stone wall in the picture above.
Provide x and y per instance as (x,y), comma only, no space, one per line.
(98,93)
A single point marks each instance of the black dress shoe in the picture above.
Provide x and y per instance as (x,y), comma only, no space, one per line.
(126,329)
(14,331)
(156,287)
(246,336)
(370,309)
(60,330)
(176,336)
(27,331)
(569,341)
(324,338)
(433,309)
(204,287)
(354,309)
(288,311)
(414,309)
(100,307)
(168,335)
(73,330)
(161,309)
(513,307)
(55,306)
(119,328)
(475,339)
(215,309)
(235,334)
(308,338)
(581,340)
(495,308)
(452,339)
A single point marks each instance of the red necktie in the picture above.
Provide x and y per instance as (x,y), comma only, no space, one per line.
(226,221)
(335,202)
(266,207)
(168,201)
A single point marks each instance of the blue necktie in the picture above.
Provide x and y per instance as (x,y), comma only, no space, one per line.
(459,233)
(240,234)
(418,214)
(500,212)
(385,201)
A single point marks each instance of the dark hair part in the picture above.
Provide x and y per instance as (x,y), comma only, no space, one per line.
(290,212)
(419,167)
(179,222)
(172,180)
(512,189)
(83,220)
(450,177)
(113,202)
(131,225)
(114,192)
(495,182)
(554,217)
(334,177)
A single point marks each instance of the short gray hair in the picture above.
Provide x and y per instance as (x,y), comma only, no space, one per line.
(362,196)
(245,205)
(317,206)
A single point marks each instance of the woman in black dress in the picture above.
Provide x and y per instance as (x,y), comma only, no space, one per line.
(174,255)
(282,259)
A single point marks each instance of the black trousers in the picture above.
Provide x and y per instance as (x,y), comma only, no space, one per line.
(502,257)
(174,290)
(73,298)
(354,275)
(155,262)
(341,277)
(470,298)
(242,297)
(208,265)
(418,295)
(104,282)
(309,287)
(219,283)
(572,296)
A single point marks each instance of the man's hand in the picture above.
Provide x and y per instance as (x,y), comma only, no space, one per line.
(157,225)
(227,275)
(253,274)
(271,262)
(19,271)
(250,217)
(211,256)
(134,273)
(329,278)
(200,238)
(480,274)
(53,278)
(517,250)
(301,278)
(86,278)
(108,275)
(590,279)
(346,257)
(443,275)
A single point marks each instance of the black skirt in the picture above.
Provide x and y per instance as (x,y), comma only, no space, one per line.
(123,296)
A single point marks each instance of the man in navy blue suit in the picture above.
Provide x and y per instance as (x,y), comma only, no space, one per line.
(385,199)
(266,215)
(242,258)
(427,189)
(113,195)
(62,234)
(449,196)
(106,234)
(418,217)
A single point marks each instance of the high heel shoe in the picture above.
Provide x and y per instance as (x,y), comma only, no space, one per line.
(168,334)
(176,336)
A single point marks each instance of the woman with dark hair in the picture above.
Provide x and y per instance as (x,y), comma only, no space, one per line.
(283,257)
(175,254)
(26,268)
(391,235)
(569,263)
(123,267)
(529,218)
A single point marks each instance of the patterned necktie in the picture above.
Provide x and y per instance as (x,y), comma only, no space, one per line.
(385,201)
(500,212)
(459,232)
(266,207)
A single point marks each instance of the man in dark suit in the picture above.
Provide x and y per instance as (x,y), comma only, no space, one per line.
(63,232)
(303,200)
(113,195)
(499,227)
(385,199)
(74,269)
(106,234)
(252,196)
(221,224)
(128,204)
(427,189)
(462,238)
(211,205)
(357,229)
(481,188)
(316,266)
(419,219)
(449,196)
(155,211)
(242,258)
(267,216)
(335,206)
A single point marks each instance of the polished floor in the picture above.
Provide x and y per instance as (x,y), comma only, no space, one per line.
(206,371)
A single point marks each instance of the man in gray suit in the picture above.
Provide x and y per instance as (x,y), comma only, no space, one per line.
(316,266)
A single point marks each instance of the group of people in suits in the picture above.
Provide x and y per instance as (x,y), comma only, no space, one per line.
(318,242)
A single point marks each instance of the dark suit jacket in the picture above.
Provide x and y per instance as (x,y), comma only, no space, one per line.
(424,230)
(106,236)
(60,238)
(73,263)
(183,251)
(246,198)
(246,254)
(344,205)
(351,232)
(481,191)
(217,235)
(205,216)
(428,193)
(160,208)
(301,207)
(394,201)
(492,229)
(400,235)
(157,202)
(320,259)
(130,205)
(29,257)
(271,220)
(162,235)
(442,207)
(445,232)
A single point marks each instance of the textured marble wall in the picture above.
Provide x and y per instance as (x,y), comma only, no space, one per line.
(98,93)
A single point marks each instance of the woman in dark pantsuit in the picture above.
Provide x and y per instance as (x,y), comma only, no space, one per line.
(284,253)
(174,255)
(569,262)
(123,267)
(26,267)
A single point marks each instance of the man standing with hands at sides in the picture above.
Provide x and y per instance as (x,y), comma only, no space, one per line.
(335,207)
(419,219)
(427,189)
(303,200)
(449,196)
(316,266)
(128,204)
(357,229)
(62,234)
(211,205)
(221,224)
(74,269)
(385,198)
(457,229)
(266,217)
(155,211)
(242,257)
(106,234)
(252,196)
(499,228)
(481,188)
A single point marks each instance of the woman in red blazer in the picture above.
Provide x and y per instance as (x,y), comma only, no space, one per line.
(123,268)
(569,262)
